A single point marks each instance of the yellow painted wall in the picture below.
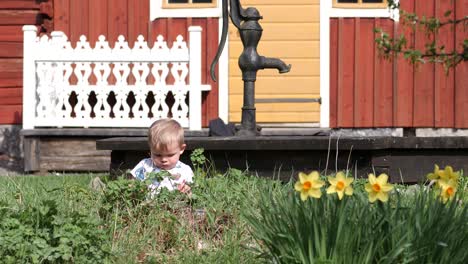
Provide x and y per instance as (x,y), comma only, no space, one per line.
(291,33)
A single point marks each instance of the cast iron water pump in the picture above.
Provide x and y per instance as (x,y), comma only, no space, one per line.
(246,21)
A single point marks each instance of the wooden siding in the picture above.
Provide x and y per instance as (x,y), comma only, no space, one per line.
(130,18)
(291,33)
(13,15)
(368,91)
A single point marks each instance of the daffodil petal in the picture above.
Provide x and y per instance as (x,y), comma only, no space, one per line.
(316,193)
(455,176)
(382,179)
(340,176)
(332,180)
(314,175)
(368,187)
(371,178)
(331,189)
(348,181)
(372,197)
(453,183)
(304,196)
(386,187)
(432,176)
(298,186)
(382,196)
(302,177)
(340,195)
(448,170)
(318,183)
(349,190)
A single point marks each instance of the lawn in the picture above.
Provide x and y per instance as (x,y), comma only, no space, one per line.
(172,228)
(233,217)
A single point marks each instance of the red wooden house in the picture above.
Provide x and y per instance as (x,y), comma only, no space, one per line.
(329,43)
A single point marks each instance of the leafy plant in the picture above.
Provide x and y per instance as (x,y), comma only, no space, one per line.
(158,176)
(199,162)
(123,198)
(42,234)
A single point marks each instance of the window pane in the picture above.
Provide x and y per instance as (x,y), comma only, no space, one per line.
(202,1)
(177,1)
(372,1)
(347,1)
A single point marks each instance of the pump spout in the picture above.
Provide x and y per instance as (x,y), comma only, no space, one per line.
(274,63)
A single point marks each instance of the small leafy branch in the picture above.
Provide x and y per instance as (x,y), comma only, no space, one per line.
(158,176)
(198,161)
(432,52)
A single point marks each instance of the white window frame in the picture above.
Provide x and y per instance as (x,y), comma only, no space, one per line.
(157,10)
(361,12)
(189,4)
(360,4)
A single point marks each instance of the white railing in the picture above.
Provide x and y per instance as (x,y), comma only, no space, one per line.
(110,87)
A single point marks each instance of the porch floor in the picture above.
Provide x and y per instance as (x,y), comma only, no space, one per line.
(282,154)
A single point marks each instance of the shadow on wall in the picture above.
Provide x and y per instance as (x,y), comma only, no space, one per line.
(11,158)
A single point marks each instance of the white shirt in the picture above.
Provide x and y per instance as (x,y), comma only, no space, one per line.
(146,166)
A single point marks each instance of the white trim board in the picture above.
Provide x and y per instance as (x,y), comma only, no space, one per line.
(223,78)
(380,12)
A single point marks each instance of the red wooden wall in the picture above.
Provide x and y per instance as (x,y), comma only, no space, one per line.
(131,18)
(368,91)
(13,15)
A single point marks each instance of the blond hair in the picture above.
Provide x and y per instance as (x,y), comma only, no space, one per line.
(165,132)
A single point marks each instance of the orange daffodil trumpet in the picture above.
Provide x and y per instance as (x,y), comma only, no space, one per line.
(378,188)
(447,181)
(309,185)
(340,185)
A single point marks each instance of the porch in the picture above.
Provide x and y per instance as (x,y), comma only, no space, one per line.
(282,154)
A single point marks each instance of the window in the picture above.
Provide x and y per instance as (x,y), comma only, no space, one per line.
(360,8)
(184,8)
(189,3)
(360,3)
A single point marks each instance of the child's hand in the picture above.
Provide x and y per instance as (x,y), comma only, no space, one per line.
(184,188)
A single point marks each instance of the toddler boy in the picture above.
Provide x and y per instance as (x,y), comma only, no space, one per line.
(166,142)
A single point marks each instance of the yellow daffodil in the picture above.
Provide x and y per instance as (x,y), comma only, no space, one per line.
(309,185)
(436,174)
(378,188)
(447,190)
(340,184)
(449,174)
(446,174)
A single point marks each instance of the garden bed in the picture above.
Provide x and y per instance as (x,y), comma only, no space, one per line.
(234,218)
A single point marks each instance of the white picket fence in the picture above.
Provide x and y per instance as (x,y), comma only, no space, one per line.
(110,87)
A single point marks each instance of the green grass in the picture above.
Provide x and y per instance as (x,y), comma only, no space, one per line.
(230,218)
(172,228)
(36,188)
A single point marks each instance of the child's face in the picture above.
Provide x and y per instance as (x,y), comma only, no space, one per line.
(167,158)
